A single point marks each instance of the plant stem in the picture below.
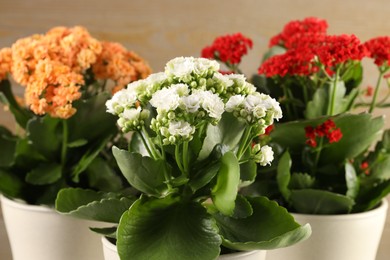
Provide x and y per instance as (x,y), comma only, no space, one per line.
(185,158)
(333,95)
(149,145)
(378,83)
(318,153)
(65,131)
(244,142)
(177,158)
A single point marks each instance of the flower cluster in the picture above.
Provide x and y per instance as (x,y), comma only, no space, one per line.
(228,49)
(311,53)
(307,27)
(327,129)
(189,94)
(378,49)
(54,67)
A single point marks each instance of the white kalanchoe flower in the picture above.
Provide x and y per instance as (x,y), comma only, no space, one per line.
(203,66)
(180,68)
(120,100)
(176,132)
(165,99)
(180,89)
(191,103)
(263,155)
(235,103)
(212,103)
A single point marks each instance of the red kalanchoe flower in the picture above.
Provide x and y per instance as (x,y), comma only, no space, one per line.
(228,48)
(338,49)
(334,136)
(327,129)
(379,49)
(311,142)
(269,129)
(294,62)
(369,91)
(364,166)
(310,25)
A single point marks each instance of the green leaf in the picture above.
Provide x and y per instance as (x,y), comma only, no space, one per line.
(47,173)
(7,97)
(243,208)
(92,205)
(107,232)
(10,185)
(228,132)
(310,201)
(318,105)
(8,147)
(301,181)
(269,227)
(248,172)
(352,181)
(102,177)
(283,175)
(204,176)
(359,132)
(371,198)
(88,157)
(159,229)
(224,192)
(45,136)
(143,173)
(77,143)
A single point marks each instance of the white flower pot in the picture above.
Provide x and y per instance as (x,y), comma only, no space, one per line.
(40,233)
(338,237)
(110,253)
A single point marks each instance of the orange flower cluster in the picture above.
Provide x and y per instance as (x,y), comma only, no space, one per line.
(52,67)
(120,65)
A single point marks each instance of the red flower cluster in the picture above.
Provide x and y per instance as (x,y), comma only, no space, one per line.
(379,49)
(310,25)
(327,129)
(228,48)
(299,60)
(365,167)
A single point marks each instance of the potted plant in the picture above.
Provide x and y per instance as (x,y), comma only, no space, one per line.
(62,137)
(327,170)
(190,153)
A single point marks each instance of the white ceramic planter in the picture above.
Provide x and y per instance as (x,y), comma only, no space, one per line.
(338,237)
(40,233)
(110,253)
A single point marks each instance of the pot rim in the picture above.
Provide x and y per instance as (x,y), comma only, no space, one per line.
(112,247)
(383,206)
(20,204)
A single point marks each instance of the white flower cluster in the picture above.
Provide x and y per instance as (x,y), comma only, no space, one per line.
(263,155)
(190,93)
(256,109)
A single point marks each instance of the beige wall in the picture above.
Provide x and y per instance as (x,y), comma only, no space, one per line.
(162,29)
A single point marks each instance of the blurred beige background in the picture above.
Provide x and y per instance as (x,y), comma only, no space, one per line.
(159,30)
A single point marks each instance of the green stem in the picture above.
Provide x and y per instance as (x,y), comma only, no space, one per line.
(185,158)
(149,145)
(330,111)
(294,108)
(244,142)
(318,153)
(288,109)
(177,158)
(65,132)
(378,83)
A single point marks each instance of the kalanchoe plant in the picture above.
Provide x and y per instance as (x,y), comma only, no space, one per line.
(191,151)
(325,159)
(63,133)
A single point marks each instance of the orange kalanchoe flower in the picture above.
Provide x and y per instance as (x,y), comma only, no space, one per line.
(53,67)
(5,62)
(120,65)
